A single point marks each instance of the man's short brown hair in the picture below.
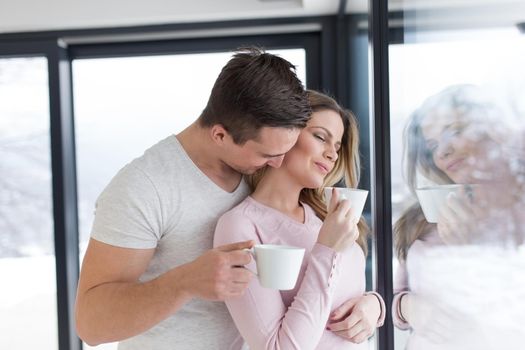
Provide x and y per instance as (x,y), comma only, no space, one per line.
(256,89)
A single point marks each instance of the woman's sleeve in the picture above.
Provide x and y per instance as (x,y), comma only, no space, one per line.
(260,314)
(400,289)
(381,319)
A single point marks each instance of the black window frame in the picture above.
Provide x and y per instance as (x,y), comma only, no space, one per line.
(63,171)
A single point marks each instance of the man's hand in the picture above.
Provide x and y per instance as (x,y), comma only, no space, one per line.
(219,274)
(356,319)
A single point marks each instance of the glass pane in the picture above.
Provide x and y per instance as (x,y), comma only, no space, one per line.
(28,316)
(457,86)
(125,105)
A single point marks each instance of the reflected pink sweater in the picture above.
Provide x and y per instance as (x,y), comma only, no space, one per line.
(293,319)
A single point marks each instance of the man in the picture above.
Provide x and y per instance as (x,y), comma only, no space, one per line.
(149,278)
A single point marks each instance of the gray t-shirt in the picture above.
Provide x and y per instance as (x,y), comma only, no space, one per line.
(162,200)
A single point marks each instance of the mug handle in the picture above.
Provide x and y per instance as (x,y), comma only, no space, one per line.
(252,253)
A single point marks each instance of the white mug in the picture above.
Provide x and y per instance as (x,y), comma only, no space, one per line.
(356,196)
(434,198)
(278,266)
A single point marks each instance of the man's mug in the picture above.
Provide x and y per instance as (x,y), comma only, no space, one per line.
(277,265)
(356,196)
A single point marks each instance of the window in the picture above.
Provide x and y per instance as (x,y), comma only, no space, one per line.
(28,316)
(458,96)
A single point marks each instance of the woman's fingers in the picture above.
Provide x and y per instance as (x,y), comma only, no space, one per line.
(334,200)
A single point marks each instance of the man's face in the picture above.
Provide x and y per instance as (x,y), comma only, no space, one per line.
(268,149)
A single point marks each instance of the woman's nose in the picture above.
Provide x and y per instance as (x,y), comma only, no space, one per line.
(445,149)
(331,153)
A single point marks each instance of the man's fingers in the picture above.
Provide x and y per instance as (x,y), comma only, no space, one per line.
(238,287)
(236,246)
(241,275)
(239,257)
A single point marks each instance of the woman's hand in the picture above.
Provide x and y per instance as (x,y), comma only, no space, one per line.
(339,230)
(429,319)
(356,319)
(461,218)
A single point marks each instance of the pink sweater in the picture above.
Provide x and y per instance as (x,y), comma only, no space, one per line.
(292,319)
(473,295)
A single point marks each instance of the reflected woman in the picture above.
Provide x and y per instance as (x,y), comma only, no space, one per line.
(455,137)
(328,308)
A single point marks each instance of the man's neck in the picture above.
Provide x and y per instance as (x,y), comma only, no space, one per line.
(201,149)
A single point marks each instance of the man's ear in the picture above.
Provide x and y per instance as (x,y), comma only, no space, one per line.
(219,134)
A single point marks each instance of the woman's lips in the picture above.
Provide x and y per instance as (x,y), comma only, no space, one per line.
(455,164)
(323,167)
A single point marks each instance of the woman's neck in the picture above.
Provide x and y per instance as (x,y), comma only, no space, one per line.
(279,191)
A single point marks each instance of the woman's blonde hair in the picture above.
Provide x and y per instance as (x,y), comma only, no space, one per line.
(347,166)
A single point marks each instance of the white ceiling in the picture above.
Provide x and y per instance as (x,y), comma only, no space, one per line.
(29,15)
(35,15)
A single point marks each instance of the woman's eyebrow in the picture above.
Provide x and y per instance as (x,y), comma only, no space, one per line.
(328,132)
(325,129)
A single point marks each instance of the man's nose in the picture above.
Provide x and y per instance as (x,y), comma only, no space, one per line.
(276,161)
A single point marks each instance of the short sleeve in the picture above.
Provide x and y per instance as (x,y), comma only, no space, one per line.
(128,212)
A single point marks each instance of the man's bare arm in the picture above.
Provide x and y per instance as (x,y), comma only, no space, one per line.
(113,305)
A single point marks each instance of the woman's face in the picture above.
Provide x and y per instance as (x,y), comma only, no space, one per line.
(458,147)
(315,153)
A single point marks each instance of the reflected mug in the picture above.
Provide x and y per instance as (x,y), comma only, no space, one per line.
(434,198)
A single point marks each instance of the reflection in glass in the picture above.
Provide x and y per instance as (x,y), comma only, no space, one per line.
(459,201)
(28,317)
(125,105)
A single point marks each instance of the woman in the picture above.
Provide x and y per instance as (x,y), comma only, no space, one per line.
(328,309)
(455,137)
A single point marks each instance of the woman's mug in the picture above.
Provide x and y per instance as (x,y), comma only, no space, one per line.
(356,196)
(277,265)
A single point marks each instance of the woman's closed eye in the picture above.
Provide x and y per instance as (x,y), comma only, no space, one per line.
(320,137)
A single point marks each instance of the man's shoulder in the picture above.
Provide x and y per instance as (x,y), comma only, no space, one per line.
(165,152)
(165,159)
